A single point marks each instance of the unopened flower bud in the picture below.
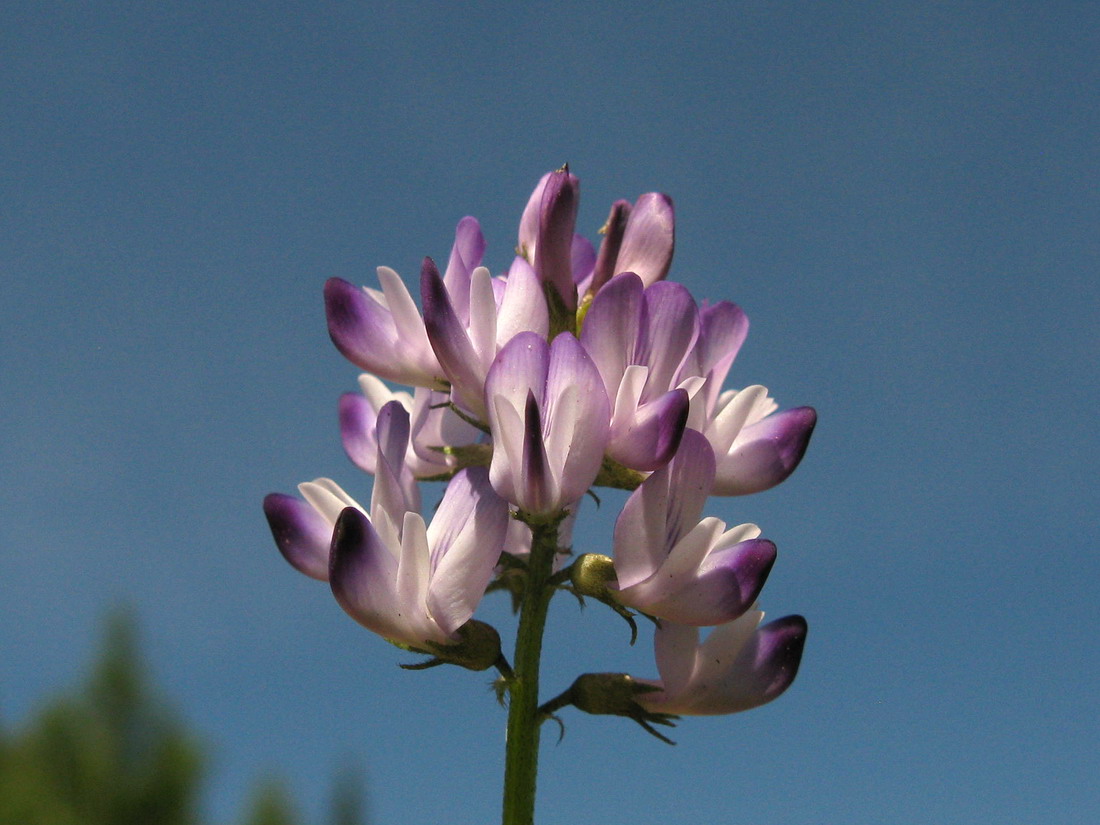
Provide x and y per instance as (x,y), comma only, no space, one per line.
(590,575)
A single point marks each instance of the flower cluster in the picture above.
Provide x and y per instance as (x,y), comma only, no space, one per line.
(573,368)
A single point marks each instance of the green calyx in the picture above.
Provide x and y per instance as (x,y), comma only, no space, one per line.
(477,648)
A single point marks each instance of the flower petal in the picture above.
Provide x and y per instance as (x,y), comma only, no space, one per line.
(301,533)
(362,573)
(557,219)
(649,238)
(466,538)
(765,453)
(653,433)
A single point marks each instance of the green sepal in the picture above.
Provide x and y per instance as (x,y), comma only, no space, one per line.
(477,648)
(590,575)
(613,694)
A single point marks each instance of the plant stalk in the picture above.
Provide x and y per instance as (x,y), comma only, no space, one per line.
(522,744)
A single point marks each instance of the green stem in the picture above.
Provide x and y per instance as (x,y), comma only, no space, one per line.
(522,747)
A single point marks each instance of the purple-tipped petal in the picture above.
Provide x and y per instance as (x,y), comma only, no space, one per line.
(553,250)
(609,248)
(367,333)
(760,671)
(362,572)
(649,239)
(359,326)
(725,585)
(301,534)
(737,667)
(449,339)
(654,434)
(765,453)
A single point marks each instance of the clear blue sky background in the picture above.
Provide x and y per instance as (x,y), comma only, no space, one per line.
(903,197)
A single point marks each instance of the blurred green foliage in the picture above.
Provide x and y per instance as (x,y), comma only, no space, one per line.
(114,753)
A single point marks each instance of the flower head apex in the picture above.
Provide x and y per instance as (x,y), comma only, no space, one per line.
(639,239)
(546,232)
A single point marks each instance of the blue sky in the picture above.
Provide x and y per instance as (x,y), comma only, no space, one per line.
(902,196)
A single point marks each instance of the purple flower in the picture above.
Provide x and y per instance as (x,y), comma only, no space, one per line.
(756,447)
(466,342)
(670,564)
(421,585)
(639,339)
(382,331)
(739,666)
(303,529)
(549,419)
(433,426)
(638,239)
(546,232)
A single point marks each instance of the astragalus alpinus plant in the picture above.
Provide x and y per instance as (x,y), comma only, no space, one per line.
(572,369)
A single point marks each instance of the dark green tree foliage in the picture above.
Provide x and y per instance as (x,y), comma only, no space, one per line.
(111,755)
(272,805)
(114,754)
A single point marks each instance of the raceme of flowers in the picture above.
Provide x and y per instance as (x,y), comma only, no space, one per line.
(572,368)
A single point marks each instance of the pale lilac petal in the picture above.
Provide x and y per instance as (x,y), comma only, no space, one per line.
(362,572)
(522,306)
(357,421)
(670,327)
(724,329)
(579,416)
(675,647)
(557,218)
(529,221)
(466,255)
(395,490)
(301,533)
(765,453)
(435,426)
(611,328)
(653,434)
(411,583)
(582,257)
(609,248)
(734,411)
(649,238)
(467,537)
(665,507)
